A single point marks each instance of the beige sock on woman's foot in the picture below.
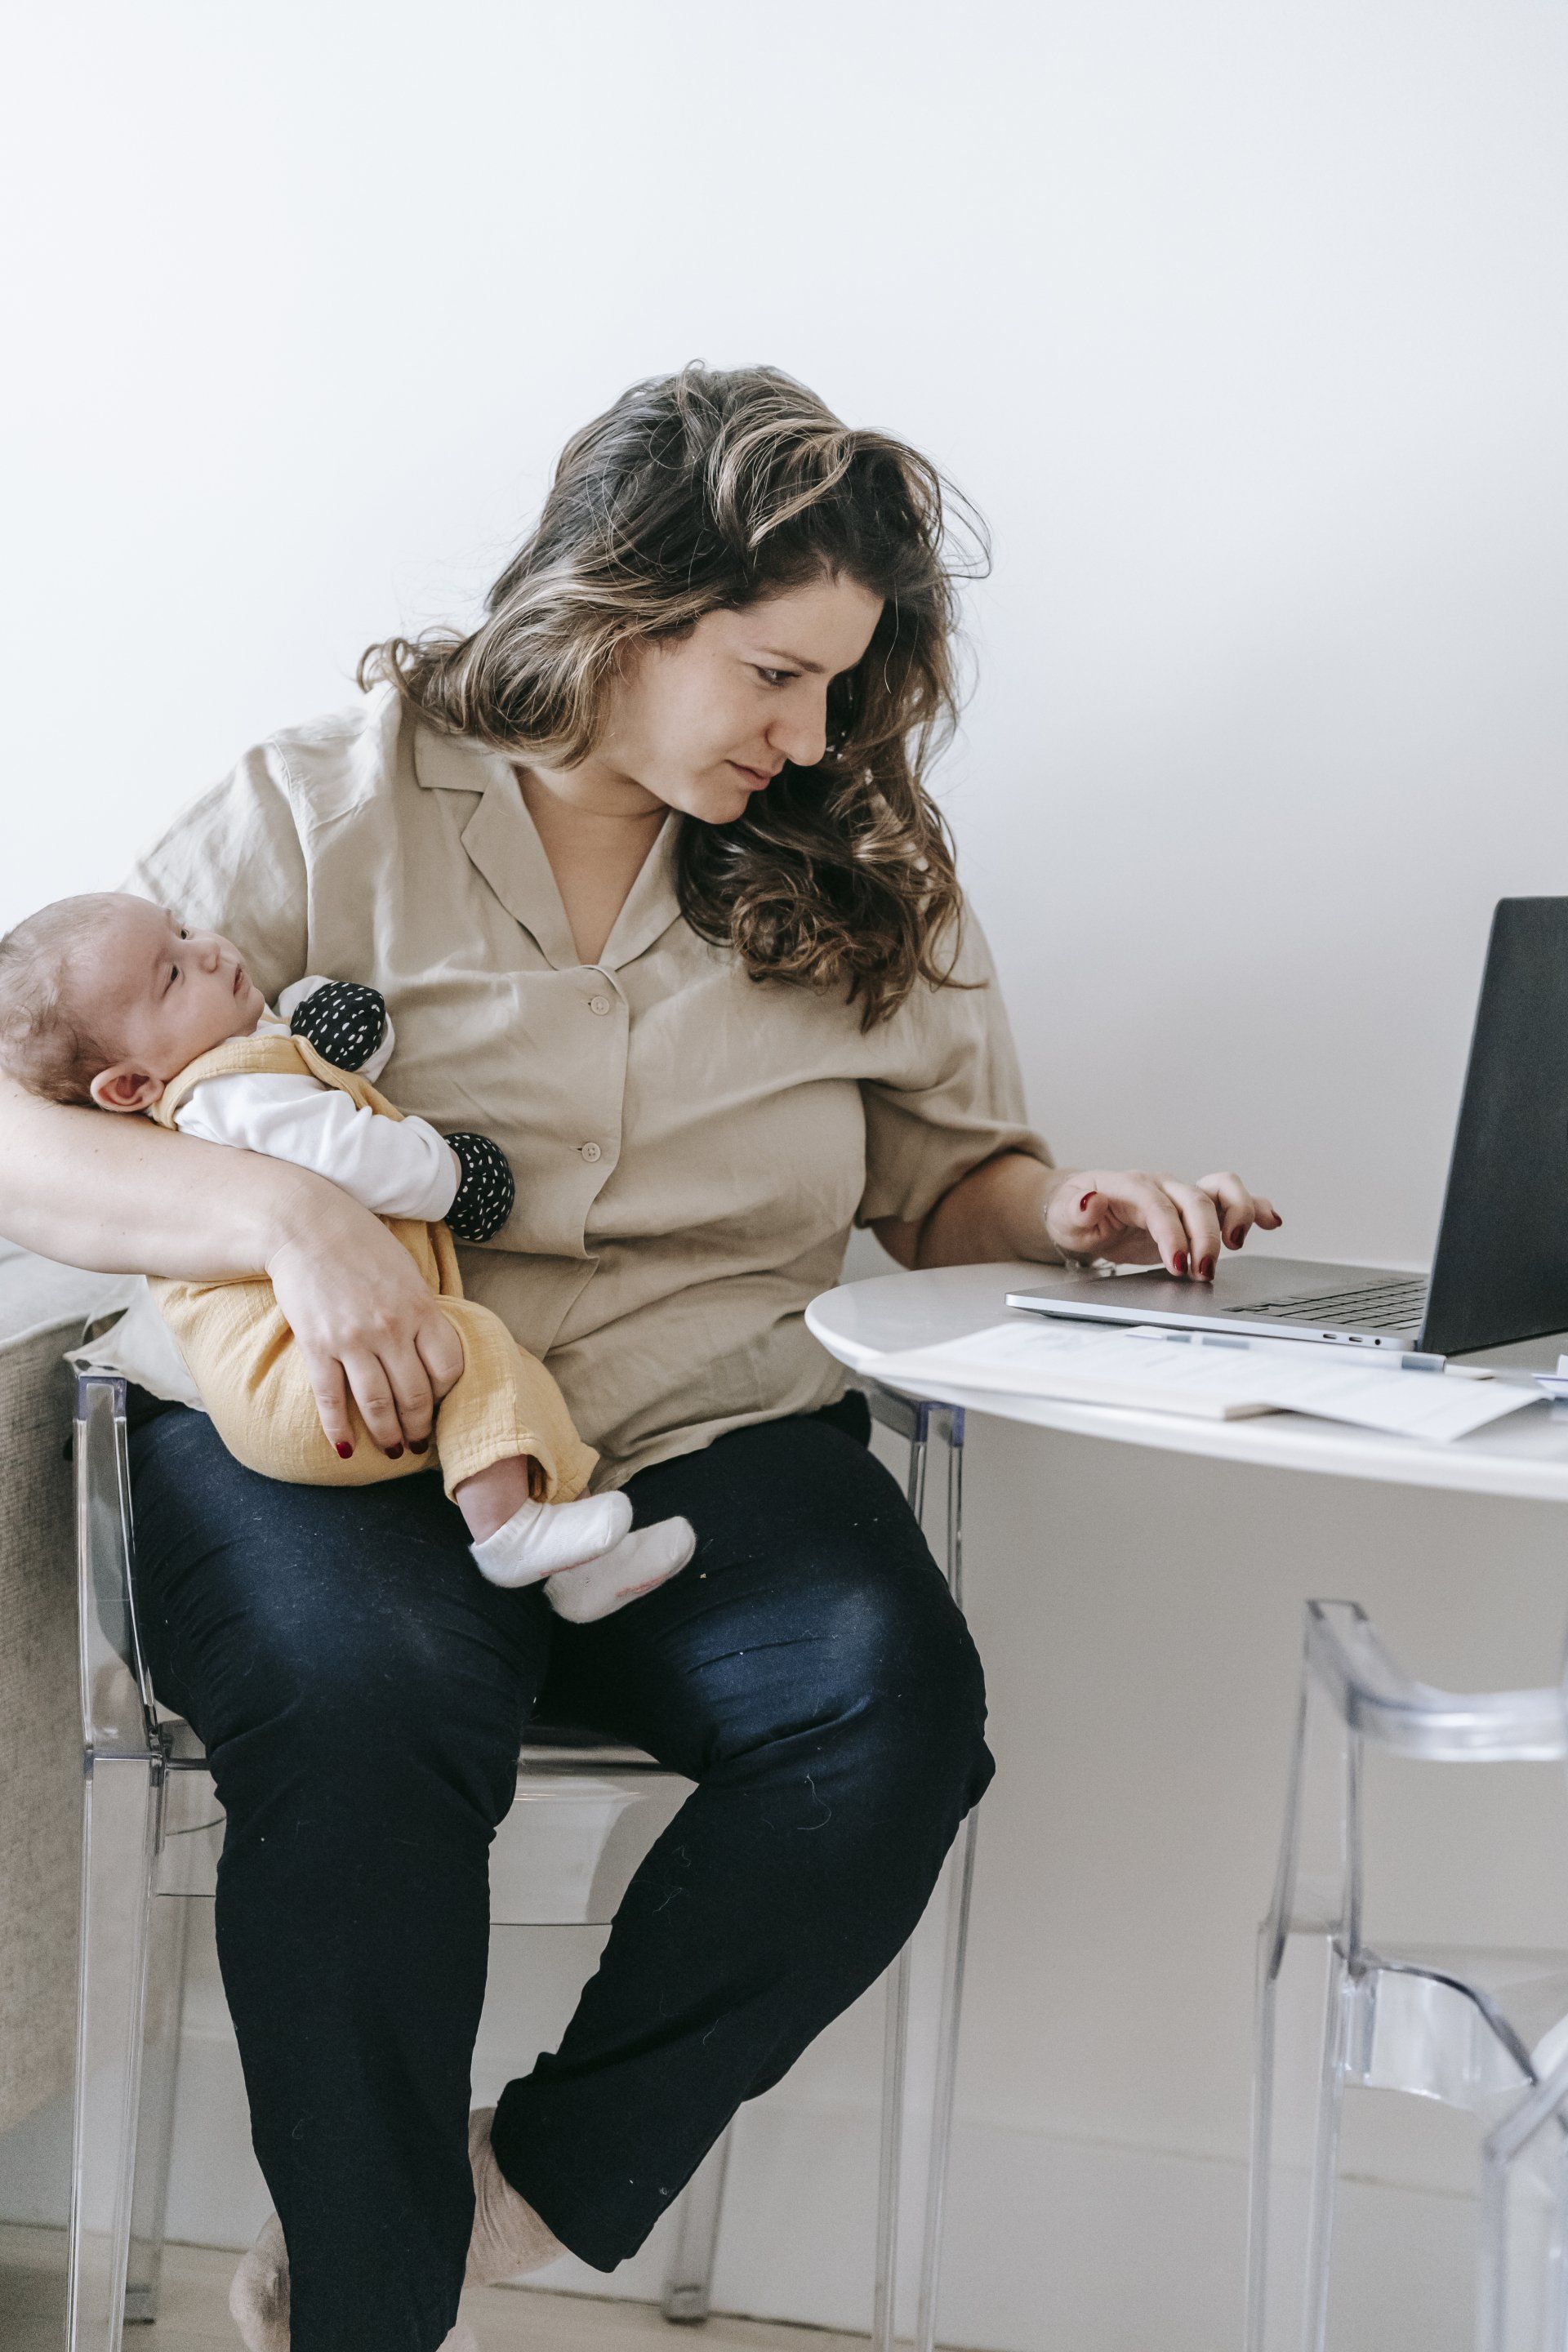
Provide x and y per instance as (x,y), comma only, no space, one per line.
(258,2297)
(509,2236)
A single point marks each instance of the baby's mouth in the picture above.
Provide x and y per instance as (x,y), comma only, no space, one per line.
(238,979)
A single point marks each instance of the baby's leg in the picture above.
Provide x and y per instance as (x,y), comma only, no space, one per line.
(586,1554)
(240,1353)
(503,1415)
(513,1463)
(488,1498)
(519,1540)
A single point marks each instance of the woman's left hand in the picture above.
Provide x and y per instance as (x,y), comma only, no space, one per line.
(1134,1219)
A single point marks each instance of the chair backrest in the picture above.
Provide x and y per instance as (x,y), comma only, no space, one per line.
(118,1715)
(1380,1702)
(1355,1697)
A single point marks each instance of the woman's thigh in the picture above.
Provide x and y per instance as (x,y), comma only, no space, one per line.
(356,1623)
(349,1624)
(813,1606)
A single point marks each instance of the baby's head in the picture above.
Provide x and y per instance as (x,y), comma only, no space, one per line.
(103,999)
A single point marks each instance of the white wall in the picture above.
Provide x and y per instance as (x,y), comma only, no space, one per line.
(1246,329)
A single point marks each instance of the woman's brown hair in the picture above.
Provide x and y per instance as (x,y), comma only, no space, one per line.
(706,491)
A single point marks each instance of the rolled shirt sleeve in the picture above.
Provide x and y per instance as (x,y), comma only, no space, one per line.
(952,1096)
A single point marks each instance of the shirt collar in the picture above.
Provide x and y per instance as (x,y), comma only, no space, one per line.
(501,840)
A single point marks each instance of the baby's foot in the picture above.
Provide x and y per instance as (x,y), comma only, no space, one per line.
(539,1538)
(648,1556)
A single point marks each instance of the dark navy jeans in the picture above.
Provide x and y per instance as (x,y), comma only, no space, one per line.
(362,1693)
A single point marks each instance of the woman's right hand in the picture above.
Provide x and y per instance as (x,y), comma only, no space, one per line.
(365,1322)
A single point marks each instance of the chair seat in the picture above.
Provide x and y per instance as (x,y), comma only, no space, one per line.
(546,1747)
(1459,2025)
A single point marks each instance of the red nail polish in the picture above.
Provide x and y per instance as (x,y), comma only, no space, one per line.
(1085,1201)
(1179,1264)
(345,1447)
(393,1453)
(419,1446)
(1207,1269)
(1237,1238)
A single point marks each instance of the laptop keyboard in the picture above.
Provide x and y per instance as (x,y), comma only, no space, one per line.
(1376,1307)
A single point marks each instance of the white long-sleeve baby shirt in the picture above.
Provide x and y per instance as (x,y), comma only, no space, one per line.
(396,1167)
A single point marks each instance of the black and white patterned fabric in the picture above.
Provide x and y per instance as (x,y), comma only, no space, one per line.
(485,1197)
(343,1022)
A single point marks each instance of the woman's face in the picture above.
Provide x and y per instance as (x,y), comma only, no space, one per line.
(704,721)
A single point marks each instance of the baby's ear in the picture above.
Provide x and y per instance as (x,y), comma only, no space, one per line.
(125,1088)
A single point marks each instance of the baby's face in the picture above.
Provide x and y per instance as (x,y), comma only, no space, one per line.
(160,993)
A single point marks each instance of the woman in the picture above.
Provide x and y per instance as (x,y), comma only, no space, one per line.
(646,869)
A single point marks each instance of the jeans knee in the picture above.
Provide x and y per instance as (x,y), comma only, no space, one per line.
(912,1689)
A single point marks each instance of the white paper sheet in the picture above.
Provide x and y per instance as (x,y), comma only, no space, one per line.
(1215,1382)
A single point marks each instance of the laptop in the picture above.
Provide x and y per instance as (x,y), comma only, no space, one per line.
(1500,1273)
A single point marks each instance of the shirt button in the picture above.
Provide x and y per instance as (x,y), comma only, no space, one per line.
(590,1151)
(600,1004)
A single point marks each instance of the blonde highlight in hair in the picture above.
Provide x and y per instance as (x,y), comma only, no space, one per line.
(708,491)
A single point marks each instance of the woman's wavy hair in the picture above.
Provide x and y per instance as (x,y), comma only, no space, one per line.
(706,491)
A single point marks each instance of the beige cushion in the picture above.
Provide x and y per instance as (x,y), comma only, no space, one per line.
(42,1309)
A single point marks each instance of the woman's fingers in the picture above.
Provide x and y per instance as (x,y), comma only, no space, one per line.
(378,1407)
(1131,1217)
(368,1326)
(441,1352)
(330,1391)
(413,1398)
(1239,1210)
(1140,1204)
(419,1371)
(1201,1218)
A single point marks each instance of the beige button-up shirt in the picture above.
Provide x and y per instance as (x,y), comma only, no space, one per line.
(692,1148)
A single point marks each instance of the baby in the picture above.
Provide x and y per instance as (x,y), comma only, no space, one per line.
(109,999)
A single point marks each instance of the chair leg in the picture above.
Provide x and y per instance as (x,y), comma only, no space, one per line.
(120,1817)
(1302,2023)
(890,2179)
(957,1944)
(1523,2251)
(156,2120)
(689,2286)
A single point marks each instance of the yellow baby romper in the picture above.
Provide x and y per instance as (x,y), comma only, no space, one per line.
(242,1356)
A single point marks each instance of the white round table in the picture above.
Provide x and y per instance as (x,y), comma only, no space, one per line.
(1525,1455)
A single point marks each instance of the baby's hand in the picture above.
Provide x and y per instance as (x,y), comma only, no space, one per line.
(488,1191)
(342,1021)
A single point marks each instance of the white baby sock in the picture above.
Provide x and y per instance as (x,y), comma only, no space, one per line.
(648,1556)
(541,1537)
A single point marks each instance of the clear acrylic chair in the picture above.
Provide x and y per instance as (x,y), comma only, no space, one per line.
(586,1810)
(1479,2028)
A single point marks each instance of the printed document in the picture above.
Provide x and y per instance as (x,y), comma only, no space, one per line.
(1219,1381)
